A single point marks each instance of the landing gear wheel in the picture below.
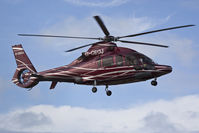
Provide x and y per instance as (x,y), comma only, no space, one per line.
(154,83)
(108,93)
(94,89)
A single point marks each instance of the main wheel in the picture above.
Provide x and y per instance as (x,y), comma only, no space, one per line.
(154,83)
(108,93)
(94,89)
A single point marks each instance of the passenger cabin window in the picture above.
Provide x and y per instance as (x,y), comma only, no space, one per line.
(119,60)
(99,63)
(107,61)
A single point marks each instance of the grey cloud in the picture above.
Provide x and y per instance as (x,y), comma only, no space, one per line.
(157,122)
(24,122)
(192,114)
(30,119)
(8,131)
(176,116)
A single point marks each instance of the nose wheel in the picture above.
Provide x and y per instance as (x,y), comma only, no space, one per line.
(154,82)
(94,89)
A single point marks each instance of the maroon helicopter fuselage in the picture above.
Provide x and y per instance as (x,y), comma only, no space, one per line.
(103,64)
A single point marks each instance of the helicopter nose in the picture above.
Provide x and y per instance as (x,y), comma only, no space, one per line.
(164,69)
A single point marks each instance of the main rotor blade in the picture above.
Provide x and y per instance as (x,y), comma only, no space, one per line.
(171,28)
(143,43)
(101,24)
(70,50)
(37,35)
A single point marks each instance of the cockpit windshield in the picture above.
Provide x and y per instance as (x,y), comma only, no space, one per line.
(145,60)
(137,59)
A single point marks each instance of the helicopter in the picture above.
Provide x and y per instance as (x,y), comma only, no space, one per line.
(103,64)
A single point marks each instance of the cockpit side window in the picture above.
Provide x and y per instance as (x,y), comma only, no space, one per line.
(131,60)
(107,61)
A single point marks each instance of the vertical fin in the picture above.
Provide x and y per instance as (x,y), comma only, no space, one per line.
(22,59)
(23,74)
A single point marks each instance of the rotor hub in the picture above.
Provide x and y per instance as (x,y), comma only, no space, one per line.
(110,39)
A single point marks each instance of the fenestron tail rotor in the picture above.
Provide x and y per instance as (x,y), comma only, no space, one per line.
(109,38)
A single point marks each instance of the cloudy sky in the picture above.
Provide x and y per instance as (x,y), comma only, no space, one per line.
(172,106)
